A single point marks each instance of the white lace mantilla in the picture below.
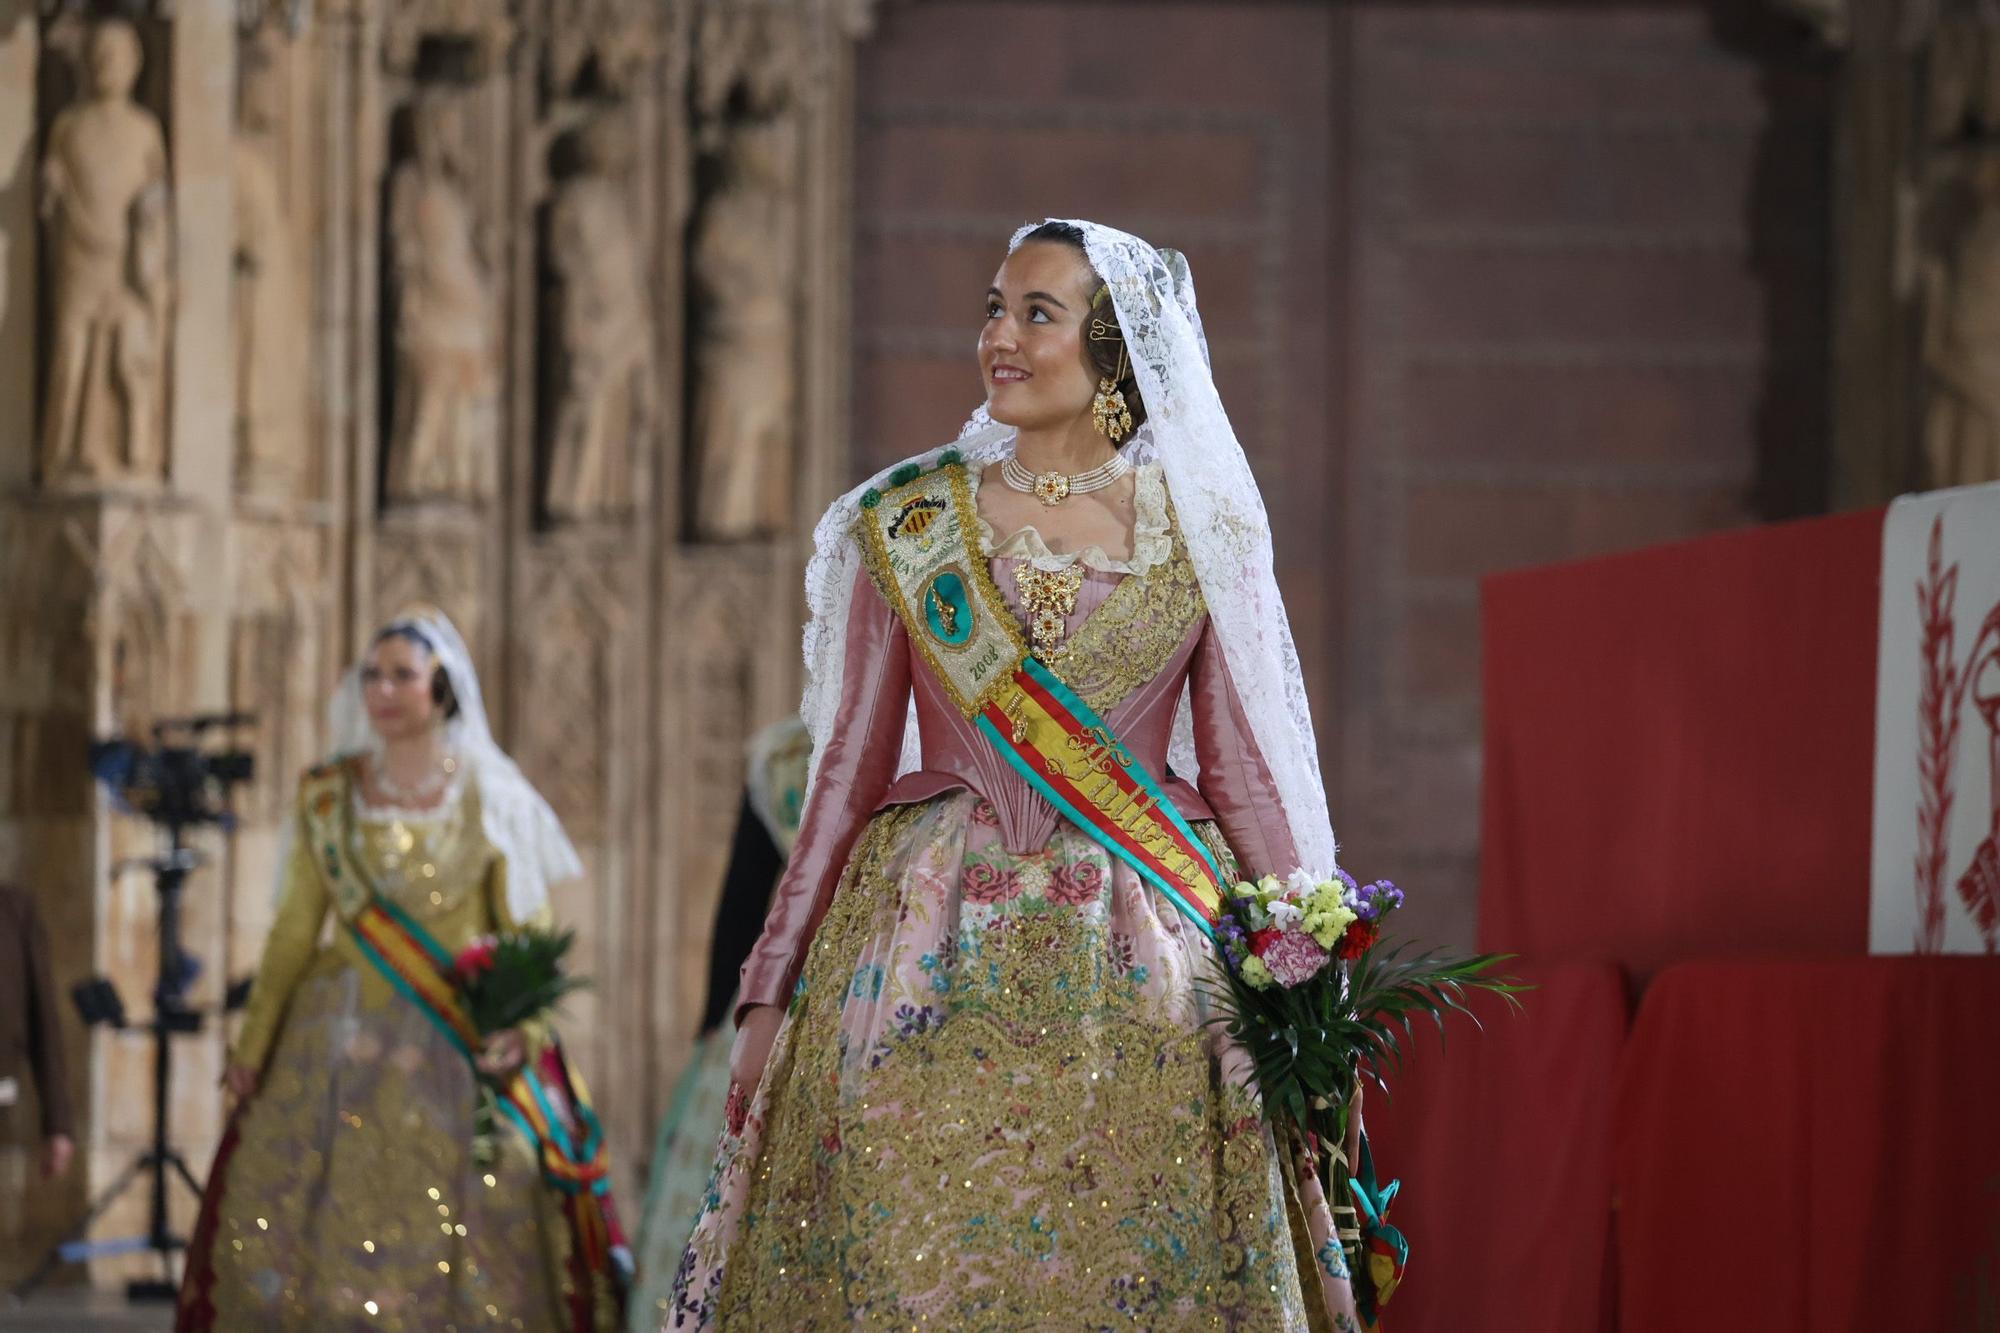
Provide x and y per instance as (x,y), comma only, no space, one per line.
(1152,535)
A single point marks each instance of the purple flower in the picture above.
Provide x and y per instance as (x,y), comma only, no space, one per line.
(1374,901)
(1235,944)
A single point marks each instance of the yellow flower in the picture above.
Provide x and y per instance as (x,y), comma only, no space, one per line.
(1256,973)
(1328,925)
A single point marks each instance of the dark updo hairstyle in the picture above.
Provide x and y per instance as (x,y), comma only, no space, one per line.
(1103,340)
(442,693)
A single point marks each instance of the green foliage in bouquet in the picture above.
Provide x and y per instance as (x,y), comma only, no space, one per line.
(510,979)
(1319,1002)
(1312,1044)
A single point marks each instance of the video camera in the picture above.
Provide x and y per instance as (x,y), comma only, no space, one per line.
(175,781)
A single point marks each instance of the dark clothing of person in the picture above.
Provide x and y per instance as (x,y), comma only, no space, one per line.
(30,1032)
(754,866)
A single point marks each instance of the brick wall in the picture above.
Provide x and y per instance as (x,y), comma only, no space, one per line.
(1486,287)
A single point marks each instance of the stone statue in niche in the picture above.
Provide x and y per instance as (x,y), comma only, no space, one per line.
(1962,80)
(104,198)
(271,317)
(745,268)
(1962,342)
(604,405)
(444,436)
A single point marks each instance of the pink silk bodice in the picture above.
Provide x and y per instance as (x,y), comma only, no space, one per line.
(857,770)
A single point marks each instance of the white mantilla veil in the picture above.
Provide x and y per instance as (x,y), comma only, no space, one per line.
(513,815)
(1222,519)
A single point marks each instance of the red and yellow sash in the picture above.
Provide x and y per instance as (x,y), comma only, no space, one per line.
(918,540)
(545,1100)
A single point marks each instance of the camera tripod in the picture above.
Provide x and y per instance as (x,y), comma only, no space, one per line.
(171,1016)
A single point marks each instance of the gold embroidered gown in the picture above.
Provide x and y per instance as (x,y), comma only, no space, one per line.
(994,1104)
(347,1193)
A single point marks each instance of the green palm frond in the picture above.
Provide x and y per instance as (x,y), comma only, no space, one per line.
(1311,1044)
(525,979)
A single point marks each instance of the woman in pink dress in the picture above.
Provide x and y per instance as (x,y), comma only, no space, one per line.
(975,1083)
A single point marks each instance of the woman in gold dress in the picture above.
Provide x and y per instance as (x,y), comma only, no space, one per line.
(352,1188)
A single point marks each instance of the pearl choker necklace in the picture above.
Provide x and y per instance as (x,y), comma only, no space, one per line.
(419,795)
(1052,488)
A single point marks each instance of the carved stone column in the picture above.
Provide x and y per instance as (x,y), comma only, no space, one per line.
(413,283)
(1916,352)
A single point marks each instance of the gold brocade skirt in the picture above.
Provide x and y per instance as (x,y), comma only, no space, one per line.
(994,1105)
(348,1194)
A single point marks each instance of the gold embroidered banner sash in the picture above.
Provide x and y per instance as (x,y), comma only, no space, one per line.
(919,541)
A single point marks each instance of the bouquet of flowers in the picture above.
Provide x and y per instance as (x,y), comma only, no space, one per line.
(507,980)
(1320,1003)
(510,979)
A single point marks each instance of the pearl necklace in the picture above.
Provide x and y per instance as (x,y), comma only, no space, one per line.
(1052,488)
(419,795)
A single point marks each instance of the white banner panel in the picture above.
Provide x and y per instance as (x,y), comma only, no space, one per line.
(1935,882)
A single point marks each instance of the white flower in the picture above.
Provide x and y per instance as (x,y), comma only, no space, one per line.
(1286,916)
(1303,883)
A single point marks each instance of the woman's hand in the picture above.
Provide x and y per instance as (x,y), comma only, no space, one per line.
(241,1080)
(57,1152)
(755,1036)
(503,1053)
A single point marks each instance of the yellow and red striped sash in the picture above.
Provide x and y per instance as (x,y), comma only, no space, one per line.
(919,541)
(545,1100)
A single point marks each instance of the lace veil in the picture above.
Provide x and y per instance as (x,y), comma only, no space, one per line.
(1222,519)
(513,815)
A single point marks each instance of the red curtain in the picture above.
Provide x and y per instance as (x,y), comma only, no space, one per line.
(1680,749)
(1802,1139)
(1504,1136)
(1812,1147)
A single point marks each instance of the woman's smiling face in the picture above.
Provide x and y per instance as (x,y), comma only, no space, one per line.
(1031,351)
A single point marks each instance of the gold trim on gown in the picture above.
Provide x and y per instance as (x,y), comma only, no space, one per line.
(348,1193)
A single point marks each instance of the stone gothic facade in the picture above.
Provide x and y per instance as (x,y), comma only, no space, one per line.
(310,312)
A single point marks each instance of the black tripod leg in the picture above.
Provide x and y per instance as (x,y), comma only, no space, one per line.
(179,1164)
(50,1261)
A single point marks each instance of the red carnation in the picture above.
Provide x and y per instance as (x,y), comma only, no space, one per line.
(1357,940)
(475,958)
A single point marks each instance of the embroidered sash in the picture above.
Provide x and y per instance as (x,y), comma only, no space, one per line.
(918,541)
(545,1101)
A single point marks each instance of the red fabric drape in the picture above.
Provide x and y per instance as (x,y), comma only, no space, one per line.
(1812,1147)
(1679,749)
(1504,1136)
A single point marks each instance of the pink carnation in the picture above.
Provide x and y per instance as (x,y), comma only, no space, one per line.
(984,882)
(1292,957)
(1075,885)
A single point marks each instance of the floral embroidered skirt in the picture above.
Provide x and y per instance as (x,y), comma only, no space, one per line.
(994,1105)
(347,1193)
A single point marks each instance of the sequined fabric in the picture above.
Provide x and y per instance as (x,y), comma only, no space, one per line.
(349,1194)
(994,1106)
(995,1102)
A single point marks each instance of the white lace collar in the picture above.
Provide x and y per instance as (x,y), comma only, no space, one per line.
(1152,533)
